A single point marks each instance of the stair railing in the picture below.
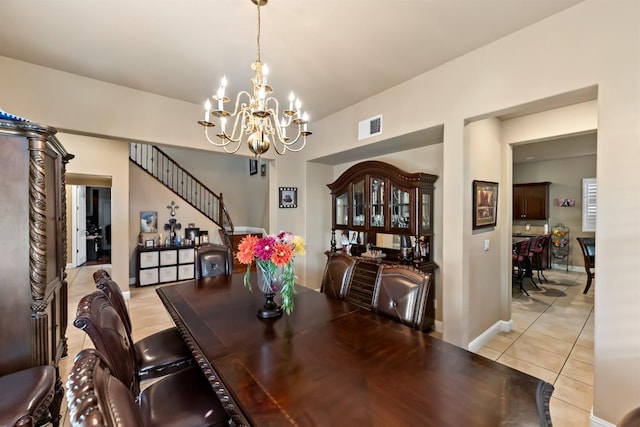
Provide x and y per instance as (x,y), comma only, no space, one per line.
(174,177)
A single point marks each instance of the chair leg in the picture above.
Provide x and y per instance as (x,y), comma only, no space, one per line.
(589,278)
(528,272)
(520,278)
(540,268)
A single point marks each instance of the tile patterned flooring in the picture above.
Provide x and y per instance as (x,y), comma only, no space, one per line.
(552,336)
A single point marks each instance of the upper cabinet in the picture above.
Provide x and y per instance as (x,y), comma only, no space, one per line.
(375,197)
(531,201)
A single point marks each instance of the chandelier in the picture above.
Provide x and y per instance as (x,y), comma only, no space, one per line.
(256,115)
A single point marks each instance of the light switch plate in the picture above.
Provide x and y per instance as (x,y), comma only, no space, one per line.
(486,245)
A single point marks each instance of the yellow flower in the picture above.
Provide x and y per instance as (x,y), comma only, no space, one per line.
(299,245)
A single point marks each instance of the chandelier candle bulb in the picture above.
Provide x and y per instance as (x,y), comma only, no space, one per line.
(292,98)
(265,73)
(207,110)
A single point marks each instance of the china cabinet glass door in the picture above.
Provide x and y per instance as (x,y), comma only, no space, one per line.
(342,209)
(377,202)
(400,208)
(358,203)
(425,213)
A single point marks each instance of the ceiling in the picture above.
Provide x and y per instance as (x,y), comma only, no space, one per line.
(332,53)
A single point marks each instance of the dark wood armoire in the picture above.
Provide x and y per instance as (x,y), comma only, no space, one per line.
(33,287)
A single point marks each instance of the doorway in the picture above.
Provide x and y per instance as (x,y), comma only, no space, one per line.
(89,219)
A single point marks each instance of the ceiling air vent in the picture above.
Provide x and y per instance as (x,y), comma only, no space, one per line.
(370,127)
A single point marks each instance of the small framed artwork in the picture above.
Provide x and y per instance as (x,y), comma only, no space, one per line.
(485,204)
(566,203)
(149,222)
(149,243)
(288,197)
(253,166)
(263,169)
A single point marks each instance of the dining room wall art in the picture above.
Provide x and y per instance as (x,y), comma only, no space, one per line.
(288,197)
(485,204)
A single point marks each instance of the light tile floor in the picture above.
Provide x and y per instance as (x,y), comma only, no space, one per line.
(552,336)
(552,339)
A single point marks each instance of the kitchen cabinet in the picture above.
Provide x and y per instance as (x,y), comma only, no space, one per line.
(531,201)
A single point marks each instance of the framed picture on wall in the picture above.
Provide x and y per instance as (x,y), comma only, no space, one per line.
(288,197)
(148,222)
(263,169)
(485,204)
(253,166)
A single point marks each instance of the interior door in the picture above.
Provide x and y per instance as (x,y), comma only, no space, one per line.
(81,225)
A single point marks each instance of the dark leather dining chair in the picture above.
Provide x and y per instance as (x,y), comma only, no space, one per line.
(588,246)
(337,276)
(213,260)
(27,397)
(158,354)
(184,397)
(400,293)
(98,398)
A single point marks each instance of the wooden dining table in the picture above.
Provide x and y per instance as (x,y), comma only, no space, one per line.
(332,364)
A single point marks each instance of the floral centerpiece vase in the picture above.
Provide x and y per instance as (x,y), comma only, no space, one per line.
(269,282)
(273,255)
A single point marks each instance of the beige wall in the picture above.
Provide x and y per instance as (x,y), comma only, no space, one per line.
(594,43)
(97,156)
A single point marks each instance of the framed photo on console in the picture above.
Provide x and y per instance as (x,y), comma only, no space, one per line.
(485,204)
(288,197)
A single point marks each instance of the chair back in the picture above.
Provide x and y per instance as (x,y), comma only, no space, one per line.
(537,244)
(112,290)
(400,293)
(522,250)
(97,317)
(97,398)
(213,260)
(588,246)
(337,275)
(100,274)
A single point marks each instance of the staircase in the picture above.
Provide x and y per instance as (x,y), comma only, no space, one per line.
(173,176)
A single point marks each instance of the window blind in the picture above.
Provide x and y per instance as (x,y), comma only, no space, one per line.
(589,193)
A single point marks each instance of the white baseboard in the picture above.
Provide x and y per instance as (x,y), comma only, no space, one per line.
(438,326)
(127,295)
(598,422)
(486,336)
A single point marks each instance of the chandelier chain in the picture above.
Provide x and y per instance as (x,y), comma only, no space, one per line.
(258,37)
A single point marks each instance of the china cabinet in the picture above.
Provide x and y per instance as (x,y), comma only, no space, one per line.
(374,198)
(531,201)
(33,285)
(385,215)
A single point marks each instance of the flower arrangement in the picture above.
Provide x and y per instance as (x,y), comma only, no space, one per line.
(270,253)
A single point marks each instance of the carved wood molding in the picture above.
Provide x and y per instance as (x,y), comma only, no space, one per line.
(37,224)
(237,417)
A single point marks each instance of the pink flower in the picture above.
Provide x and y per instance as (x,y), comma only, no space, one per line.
(265,247)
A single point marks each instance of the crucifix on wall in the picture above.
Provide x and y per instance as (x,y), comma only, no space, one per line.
(172,225)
